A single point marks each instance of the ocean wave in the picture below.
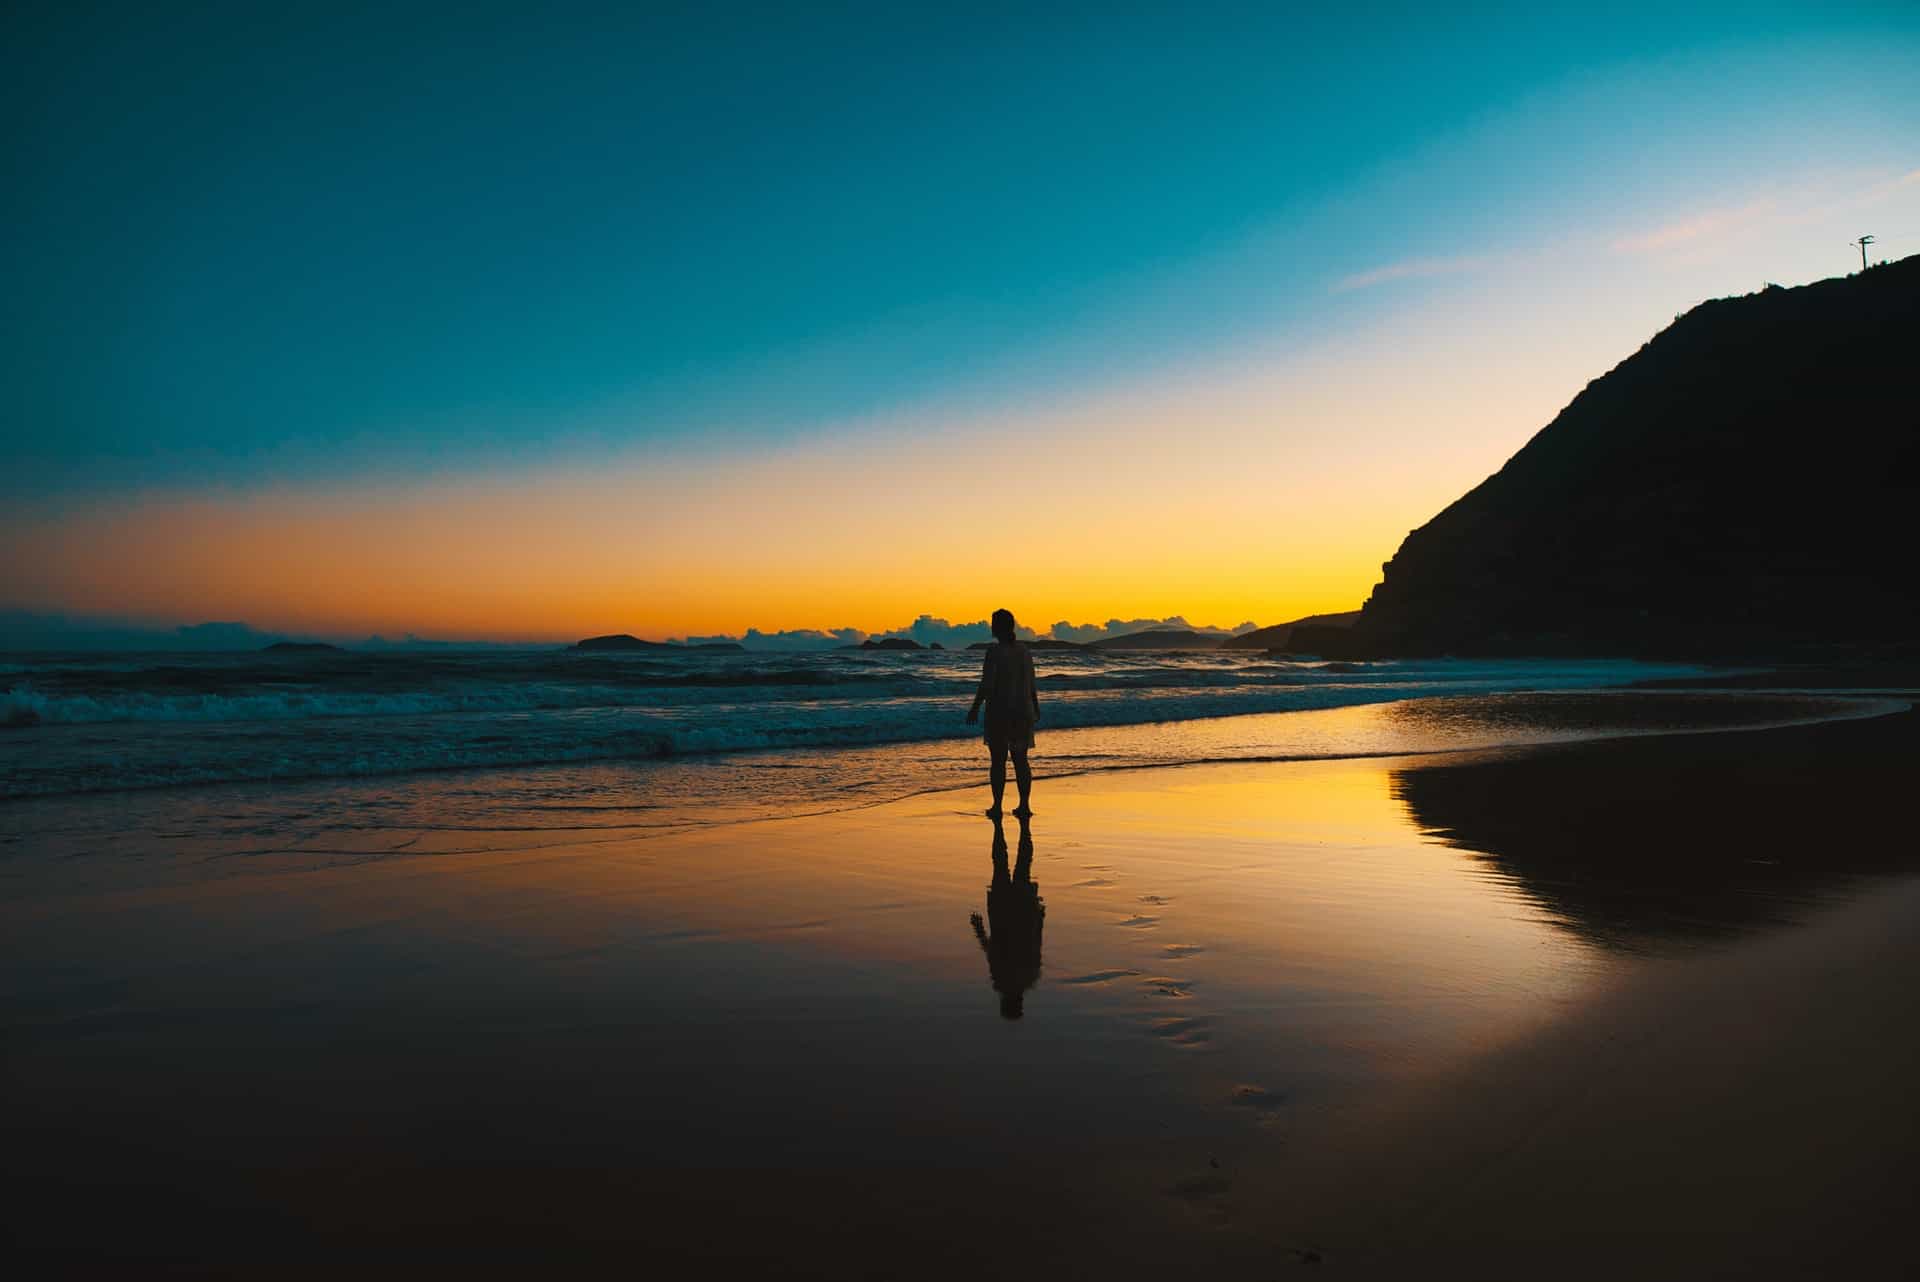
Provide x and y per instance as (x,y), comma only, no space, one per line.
(289,736)
(251,690)
(26,705)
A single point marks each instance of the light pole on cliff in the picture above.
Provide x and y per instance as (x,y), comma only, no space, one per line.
(1863,242)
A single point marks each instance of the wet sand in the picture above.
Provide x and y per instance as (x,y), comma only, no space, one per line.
(1577,1010)
(1739,1110)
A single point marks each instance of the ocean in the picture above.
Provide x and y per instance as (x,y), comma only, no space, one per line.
(349,753)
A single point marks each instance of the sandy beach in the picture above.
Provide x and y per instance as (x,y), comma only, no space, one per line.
(1575,1009)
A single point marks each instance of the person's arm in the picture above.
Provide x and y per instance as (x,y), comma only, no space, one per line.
(980,691)
(1033,686)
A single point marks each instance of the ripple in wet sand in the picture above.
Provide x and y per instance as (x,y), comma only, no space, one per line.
(1100,977)
(1257,1098)
(1183,1032)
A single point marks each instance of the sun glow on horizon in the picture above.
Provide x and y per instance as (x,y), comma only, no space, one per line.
(1226,492)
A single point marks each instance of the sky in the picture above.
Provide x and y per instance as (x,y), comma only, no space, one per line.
(475,322)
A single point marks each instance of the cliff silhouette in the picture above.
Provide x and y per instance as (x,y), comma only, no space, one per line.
(1743,486)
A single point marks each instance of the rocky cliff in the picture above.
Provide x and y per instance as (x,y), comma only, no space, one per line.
(1743,486)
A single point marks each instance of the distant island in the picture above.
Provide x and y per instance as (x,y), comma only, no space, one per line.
(1741,488)
(624,641)
(1279,636)
(301,647)
(888,643)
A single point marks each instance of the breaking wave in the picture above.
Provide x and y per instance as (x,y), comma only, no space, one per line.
(74,723)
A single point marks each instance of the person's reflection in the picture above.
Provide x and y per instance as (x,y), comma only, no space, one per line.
(1010,935)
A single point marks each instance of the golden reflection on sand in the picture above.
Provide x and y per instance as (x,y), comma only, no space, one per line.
(1263,899)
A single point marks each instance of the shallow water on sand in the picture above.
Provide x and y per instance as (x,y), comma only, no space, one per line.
(1212,955)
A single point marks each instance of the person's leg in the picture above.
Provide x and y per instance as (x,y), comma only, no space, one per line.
(997,774)
(1023,777)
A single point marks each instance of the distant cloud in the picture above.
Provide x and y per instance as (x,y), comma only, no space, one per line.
(1414,269)
(21,630)
(930,629)
(789,639)
(927,630)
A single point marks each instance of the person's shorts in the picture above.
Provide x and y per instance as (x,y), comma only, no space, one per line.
(1003,736)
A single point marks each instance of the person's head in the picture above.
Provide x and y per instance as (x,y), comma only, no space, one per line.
(1003,625)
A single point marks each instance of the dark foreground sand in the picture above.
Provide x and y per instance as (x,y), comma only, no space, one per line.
(1711,1072)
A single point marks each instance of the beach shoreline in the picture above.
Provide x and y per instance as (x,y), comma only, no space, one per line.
(1379,1003)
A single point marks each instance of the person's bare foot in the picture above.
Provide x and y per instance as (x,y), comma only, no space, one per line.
(993,812)
(1023,812)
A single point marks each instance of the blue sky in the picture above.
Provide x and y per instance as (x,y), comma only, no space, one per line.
(331,251)
(241,240)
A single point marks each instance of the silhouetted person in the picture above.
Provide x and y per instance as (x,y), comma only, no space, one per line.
(1013,705)
(1015,914)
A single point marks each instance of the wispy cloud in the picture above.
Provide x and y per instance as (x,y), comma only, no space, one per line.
(1414,269)
(1808,201)
(1695,228)
(1812,200)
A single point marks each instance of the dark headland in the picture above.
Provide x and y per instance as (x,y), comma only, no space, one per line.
(1279,636)
(1742,487)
